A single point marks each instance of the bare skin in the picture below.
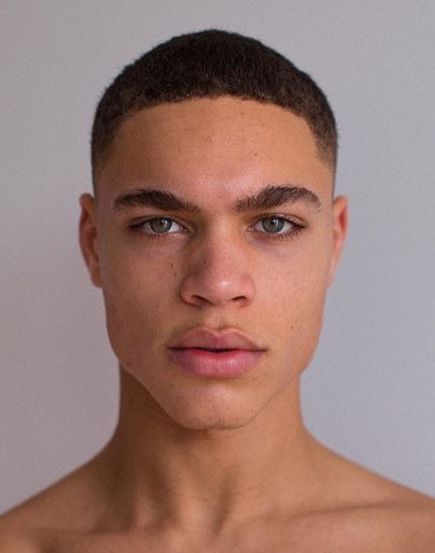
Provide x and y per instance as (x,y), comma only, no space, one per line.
(199,464)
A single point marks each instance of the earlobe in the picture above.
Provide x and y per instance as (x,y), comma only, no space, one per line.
(88,238)
(340,217)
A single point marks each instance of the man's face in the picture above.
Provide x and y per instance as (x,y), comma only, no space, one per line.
(217,267)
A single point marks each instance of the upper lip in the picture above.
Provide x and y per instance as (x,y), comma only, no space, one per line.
(205,338)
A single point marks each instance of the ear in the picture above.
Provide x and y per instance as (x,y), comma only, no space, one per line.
(89,238)
(339,232)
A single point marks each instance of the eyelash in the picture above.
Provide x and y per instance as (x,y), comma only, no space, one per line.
(296,228)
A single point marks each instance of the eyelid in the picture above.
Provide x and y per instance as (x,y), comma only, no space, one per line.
(141,221)
(292,218)
(298,226)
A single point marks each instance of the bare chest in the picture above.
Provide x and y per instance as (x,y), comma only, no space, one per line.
(299,538)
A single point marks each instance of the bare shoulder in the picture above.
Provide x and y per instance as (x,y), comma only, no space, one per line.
(410,519)
(66,506)
(12,542)
(16,535)
(19,531)
(362,511)
(381,527)
(402,525)
(384,512)
(15,538)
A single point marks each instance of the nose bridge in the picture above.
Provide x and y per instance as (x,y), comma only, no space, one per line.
(221,247)
(218,240)
(218,268)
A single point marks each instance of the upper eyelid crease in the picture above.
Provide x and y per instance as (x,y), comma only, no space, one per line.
(296,224)
(296,229)
(259,218)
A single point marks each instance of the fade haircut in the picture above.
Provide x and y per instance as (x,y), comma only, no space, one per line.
(211,63)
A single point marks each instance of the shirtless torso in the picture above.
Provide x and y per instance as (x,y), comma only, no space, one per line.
(366,514)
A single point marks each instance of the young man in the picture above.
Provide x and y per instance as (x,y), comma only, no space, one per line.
(214,235)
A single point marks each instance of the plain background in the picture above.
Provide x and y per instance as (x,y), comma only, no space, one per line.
(369,392)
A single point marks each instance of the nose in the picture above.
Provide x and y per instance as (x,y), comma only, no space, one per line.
(218,273)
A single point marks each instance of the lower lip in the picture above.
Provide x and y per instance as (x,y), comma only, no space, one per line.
(227,364)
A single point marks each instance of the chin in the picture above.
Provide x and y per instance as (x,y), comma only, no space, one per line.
(210,422)
(225,411)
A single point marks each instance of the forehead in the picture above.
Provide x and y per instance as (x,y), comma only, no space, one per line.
(221,144)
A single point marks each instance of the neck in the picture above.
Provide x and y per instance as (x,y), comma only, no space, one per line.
(162,473)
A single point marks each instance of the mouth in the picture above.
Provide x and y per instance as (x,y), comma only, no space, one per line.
(215,363)
(209,349)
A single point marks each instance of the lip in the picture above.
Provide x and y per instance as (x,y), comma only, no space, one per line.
(242,356)
(206,338)
(228,364)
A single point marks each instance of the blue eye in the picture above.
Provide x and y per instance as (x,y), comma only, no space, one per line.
(277,224)
(158,226)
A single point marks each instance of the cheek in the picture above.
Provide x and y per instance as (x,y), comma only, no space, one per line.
(133,293)
(295,307)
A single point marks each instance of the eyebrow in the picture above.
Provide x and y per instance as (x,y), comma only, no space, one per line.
(270,196)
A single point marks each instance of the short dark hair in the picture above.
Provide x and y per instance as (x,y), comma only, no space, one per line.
(212,63)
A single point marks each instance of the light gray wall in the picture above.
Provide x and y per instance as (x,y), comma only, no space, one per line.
(370,390)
